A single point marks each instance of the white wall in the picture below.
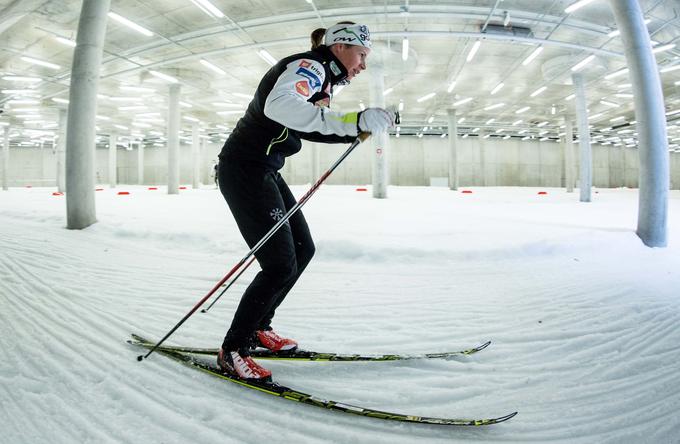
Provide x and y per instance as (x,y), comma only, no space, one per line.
(412,161)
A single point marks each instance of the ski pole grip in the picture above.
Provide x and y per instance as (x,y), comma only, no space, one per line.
(363,136)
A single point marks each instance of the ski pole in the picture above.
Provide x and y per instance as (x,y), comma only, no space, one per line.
(205,310)
(360,138)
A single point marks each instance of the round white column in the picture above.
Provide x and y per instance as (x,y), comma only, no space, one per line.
(585,151)
(453,149)
(568,155)
(113,160)
(380,142)
(173,140)
(5,160)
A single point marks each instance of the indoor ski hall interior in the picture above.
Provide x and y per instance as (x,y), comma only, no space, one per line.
(529,196)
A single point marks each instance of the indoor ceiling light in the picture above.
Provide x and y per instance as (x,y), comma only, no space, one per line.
(473,50)
(214,68)
(131,108)
(208,8)
(671,68)
(401,105)
(461,120)
(494,106)
(136,89)
(21,79)
(23,102)
(361,105)
(521,110)
(162,76)
(612,104)
(663,48)
(190,119)
(121,127)
(426,97)
(544,123)
(228,105)
(616,74)
(517,122)
(431,119)
(388,91)
(677,83)
(532,56)
(583,63)
(451,86)
(462,101)
(404,49)
(130,24)
(595,116)
(538,91)
(185,104)
(497,88)
(264,54)
(490,121)
(569,97)
(60,100)
(578,5)
(65,41)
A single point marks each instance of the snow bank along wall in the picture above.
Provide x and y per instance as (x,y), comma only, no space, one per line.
(412,161)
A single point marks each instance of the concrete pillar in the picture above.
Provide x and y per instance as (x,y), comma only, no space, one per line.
(140,163)
(651,123)
(113,160)
(482,156)
(80,133)
(453,149)
(195,156)
(585,151)
(380,142)
(61,151)
(173,140)
(5,160)
(568,155)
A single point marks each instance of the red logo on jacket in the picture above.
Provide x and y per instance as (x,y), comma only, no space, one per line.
(302,87)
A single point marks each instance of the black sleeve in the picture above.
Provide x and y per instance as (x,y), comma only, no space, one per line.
(326,138)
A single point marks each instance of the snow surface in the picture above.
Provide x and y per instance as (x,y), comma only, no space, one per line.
(584,319)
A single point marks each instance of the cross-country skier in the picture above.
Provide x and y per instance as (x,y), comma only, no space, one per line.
(290,103)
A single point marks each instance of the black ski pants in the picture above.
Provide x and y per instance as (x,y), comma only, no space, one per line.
(258,197)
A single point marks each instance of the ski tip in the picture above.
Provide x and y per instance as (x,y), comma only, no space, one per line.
(204,311)
(506,417)
(484,345)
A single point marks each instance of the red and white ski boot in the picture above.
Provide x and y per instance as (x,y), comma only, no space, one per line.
(271,341)
(242,365)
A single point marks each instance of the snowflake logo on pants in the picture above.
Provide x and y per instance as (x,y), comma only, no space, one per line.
(276,214)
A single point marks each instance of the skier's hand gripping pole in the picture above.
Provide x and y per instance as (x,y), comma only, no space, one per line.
(360,138)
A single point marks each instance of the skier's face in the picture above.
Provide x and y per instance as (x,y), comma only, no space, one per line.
(352,57)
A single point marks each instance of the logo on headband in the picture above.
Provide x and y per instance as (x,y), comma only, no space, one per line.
(352,35)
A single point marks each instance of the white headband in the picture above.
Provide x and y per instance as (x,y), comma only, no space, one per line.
(348,34)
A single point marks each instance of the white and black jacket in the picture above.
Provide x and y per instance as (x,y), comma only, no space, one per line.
(283,110)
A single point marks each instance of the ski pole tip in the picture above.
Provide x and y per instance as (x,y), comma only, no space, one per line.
(140,358)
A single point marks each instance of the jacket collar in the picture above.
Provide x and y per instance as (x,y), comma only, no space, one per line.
(338,71)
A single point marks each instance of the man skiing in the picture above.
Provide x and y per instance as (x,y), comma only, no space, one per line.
(290,103)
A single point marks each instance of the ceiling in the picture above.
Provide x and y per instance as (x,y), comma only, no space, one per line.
(440,33)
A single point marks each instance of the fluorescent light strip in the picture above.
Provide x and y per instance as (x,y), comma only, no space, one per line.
(544,123)
(462,101)
(60,100)
(245,96)
(162,76)
(228,105)
(226,113)
(490,121)
(401,105)
(569,97)
(612,104)
(616,74)
(461,120)
(264,54)
(65,41)
(494,106)
(40,62)
(213,67)
(517,122)
(21,79)
(539,91)
(497,88)
(532,56)
(671,68)
(451,86)
(185,104)
(190,119)
(426,97)
(473,51)
(130,24)
(578,5)
(583,63)
(663,48)
(521,110)
(208,8)
(404,49)
(388,91)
